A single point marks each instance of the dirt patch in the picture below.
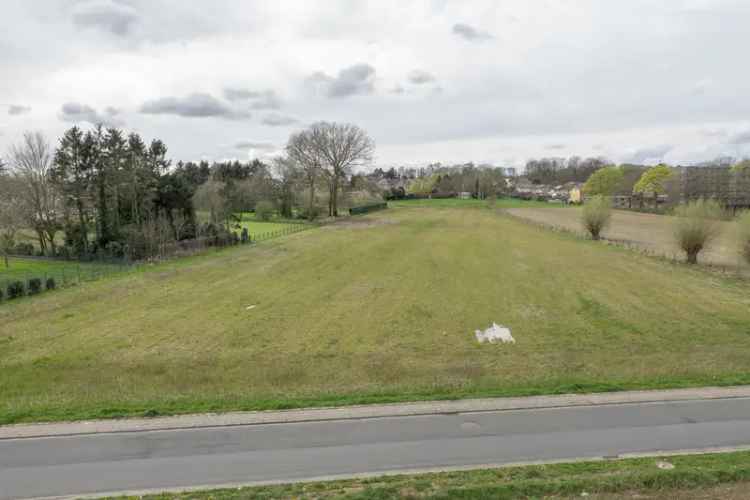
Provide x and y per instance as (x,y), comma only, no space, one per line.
(650,232)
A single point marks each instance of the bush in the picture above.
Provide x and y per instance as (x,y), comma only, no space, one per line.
(16,289)
(35,286)
(743,222)
(264,210)
(245,236)
(596,215)
(50,283)
(1,295)
(697,224)
(23,249)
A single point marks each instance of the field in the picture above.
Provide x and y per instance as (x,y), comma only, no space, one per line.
(64,272)
(375,308)
(652,232)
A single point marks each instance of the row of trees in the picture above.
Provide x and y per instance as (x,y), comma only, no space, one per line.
(481,182)
(102,191)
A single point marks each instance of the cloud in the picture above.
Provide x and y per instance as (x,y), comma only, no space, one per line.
(76,112)
(740,138)
(356,79)
(556,146)
(470,33)
(277,120)
(110,15)
(266,99)
(265,146)
(653,153)
(15,109)
(398,89)
(420,77)
(196,105)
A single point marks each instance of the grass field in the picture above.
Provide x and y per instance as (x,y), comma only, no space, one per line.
(694,477)
(375,308)
(654,233)
(64,272)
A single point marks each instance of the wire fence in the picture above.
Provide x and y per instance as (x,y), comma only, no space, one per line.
(28,275)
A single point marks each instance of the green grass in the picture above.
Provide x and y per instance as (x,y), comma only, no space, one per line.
(693,476)
(460,203)
(377,308)
(64,272)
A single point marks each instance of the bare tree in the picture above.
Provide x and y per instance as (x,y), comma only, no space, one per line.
(341,147)
(12,214)
(303,151)
(31,165)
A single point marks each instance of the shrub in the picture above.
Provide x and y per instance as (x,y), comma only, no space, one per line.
(696,226)
(1,295)
(264,210)
(245,235)
(35,286)
(24,249)
(596,215)
(16,289)
(744,235)
(50,283)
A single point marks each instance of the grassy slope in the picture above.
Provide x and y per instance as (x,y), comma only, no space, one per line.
(62,271)
(372,312)
(693,477)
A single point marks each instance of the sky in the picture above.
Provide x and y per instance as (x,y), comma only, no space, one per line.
(488,81)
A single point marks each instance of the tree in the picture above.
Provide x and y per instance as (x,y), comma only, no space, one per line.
(604,181)
(302,151)
(596,215)
(696,226)
(12,213)
(288,174)
(423,185)
(340,147)
(72,173)
(31,164)
(743,225)
(652,180)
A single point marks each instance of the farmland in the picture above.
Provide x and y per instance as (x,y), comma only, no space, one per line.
(651,232)
(375,308)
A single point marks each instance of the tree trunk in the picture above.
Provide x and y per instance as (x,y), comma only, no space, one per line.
(310,214)
(692,257)
(334,204)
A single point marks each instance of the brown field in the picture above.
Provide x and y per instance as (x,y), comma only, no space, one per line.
(651,232)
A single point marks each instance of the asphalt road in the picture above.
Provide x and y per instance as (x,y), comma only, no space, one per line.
(86,464)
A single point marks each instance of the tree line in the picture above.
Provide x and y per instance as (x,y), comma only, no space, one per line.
(105,192)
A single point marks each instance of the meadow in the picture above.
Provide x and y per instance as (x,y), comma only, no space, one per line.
(374,308)
(62,271)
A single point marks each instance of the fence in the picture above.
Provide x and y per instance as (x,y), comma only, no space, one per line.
(63,273)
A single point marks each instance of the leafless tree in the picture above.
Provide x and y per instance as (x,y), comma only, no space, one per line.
(31,164)
(12,214)
(341,147)
(303,151)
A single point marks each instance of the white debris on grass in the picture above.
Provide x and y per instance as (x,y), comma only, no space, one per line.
(495,333)
(665,465)
(250,307)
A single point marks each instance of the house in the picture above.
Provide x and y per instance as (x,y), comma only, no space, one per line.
(464,195)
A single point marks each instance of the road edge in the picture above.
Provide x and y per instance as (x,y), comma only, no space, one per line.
(209,420)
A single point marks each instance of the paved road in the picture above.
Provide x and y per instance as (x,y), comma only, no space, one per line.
(99,463)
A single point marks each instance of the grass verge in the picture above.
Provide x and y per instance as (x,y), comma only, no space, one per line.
(722,475)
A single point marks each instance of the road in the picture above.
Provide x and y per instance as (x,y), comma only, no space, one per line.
(133,461)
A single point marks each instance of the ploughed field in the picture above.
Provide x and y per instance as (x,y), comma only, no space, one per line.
(381,307)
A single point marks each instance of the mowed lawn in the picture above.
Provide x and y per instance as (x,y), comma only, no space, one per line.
(25,268)
(375,308)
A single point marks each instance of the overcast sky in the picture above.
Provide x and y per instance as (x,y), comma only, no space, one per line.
(432,80)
